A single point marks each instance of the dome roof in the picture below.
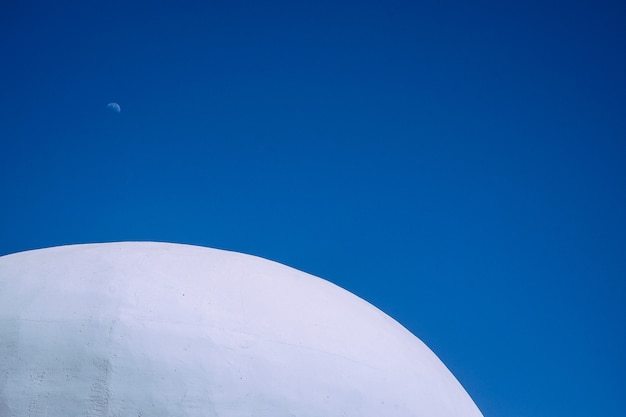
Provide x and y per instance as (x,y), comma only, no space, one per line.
(156,329)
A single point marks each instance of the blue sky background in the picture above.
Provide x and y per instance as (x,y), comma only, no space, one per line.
(460,165)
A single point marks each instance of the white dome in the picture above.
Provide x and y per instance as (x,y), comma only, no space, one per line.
(169,330)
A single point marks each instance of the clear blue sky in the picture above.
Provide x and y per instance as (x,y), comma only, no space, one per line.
(460,165)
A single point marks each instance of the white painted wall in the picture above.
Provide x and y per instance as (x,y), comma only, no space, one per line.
(168,330)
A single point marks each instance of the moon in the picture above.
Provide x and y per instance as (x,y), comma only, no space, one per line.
(115,107)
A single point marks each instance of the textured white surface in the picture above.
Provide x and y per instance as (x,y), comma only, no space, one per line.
(156,329)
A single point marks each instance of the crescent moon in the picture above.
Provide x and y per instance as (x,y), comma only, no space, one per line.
(115,107)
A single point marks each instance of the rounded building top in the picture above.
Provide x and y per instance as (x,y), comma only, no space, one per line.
(157,329)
